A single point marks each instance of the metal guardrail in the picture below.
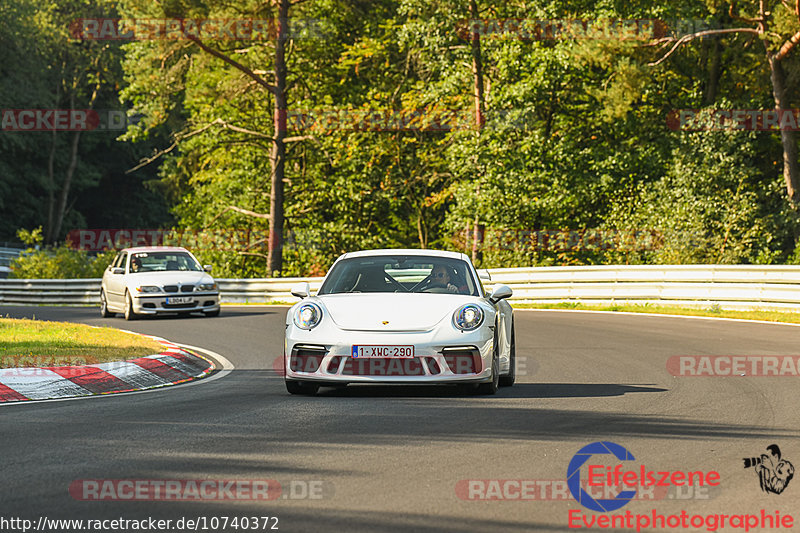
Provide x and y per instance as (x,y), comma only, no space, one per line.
(7,256)
(730,286)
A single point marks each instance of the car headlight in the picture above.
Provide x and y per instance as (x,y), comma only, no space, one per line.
(307,316)
(468,317)
(148,288)
(200,287)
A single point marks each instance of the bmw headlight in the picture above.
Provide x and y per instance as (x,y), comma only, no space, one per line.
(468,317)
(307,316)
(202,287)
(148,288)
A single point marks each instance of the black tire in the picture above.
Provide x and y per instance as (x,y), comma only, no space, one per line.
(129,314)
(212,313)
(467,388)
(509,379)
(487,389)
(104,312)
(301,387)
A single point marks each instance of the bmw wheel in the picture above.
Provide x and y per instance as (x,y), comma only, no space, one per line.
(129,314)
(104,312)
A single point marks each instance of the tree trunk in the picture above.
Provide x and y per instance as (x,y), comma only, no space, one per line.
(788,140)
(64,195)
(480,108)
(51,189)
(477,69)
(712,87)
(278,157)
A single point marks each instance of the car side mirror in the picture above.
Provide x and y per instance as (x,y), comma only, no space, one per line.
(500,292)
(207,268)
(301,290)
(118,270)
(484,275)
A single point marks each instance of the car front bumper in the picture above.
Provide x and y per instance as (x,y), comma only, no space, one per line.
(443,357)
(157,303)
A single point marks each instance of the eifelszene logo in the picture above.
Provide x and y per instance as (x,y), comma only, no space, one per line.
(774,473)
(612,479)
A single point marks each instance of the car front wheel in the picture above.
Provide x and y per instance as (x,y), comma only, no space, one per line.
(129,314)
(104,312)
(300,387)
(509,379)
(491,387)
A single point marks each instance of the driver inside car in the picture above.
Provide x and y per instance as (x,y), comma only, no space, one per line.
(442,279)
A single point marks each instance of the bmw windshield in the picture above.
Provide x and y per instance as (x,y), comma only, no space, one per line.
(163,261)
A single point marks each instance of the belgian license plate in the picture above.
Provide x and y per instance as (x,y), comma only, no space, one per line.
(179,300)
(366,351)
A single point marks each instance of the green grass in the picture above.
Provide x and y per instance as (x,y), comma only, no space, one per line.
(713,310)
(34,343)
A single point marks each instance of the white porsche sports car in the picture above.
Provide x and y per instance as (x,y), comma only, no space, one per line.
(150,280)
(400,316)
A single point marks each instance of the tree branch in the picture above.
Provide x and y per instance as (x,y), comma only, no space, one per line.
(248,212)
(690,37)
(217,122)
(178,139)
(265,256)
(787,47)
(734,16)
(258,79)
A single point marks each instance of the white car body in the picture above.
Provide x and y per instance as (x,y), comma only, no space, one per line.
(442,353)
(172,282)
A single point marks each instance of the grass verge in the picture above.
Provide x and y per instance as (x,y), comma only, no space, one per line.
(35,343)
(712,311)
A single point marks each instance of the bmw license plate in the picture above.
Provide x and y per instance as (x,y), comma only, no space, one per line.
(180,300)
(366,351)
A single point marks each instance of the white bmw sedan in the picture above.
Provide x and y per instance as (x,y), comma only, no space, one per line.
(400,316)
(149,280)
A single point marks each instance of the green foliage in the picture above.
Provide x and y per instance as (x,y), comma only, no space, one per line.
(57,262)
(712,206)
(576,135)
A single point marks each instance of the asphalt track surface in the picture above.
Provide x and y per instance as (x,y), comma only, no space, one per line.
(390,459)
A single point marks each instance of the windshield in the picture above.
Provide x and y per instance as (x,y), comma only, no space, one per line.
(162,261)
(419,274)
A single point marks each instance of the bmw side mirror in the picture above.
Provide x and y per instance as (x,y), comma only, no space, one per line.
(301,290)
(207,268)
(118,270)
(500,292)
